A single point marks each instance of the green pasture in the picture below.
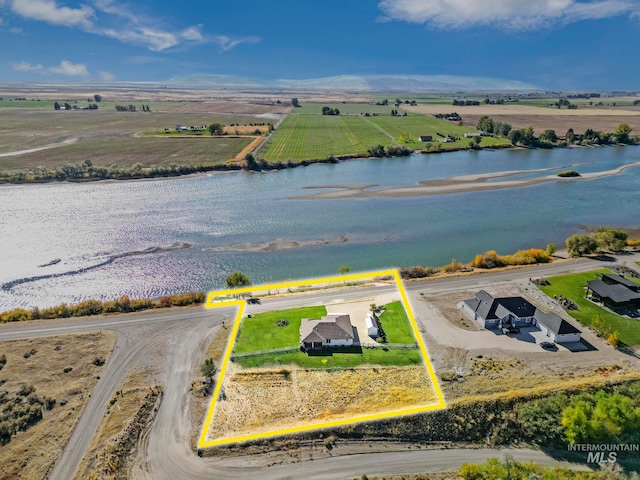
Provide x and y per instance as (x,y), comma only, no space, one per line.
(573,287)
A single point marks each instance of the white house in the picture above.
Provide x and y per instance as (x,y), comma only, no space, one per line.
(334,330)
(371,325)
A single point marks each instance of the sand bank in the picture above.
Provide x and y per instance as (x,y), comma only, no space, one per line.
(457,184)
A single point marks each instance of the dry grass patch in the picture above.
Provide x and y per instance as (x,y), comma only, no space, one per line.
(32,453)
(131,411)
(268,400)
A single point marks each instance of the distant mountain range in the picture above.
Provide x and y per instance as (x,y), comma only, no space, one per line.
(356,83)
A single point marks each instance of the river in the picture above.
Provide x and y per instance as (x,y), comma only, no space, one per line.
(129,237)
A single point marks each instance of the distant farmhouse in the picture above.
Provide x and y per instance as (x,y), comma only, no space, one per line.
(425,138)
(333,330)
(495,313)
(614,292)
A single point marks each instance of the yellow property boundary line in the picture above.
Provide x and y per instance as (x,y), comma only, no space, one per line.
(212,303)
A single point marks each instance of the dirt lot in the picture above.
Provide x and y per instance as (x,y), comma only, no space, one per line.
(128,417)
(32,453)
(562,123)
(262,400)
(244,108)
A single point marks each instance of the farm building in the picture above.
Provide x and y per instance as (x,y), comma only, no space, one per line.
(371,325)
(334,330)
(495,313)
(425,138)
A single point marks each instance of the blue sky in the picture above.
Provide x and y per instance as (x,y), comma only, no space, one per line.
(553,44)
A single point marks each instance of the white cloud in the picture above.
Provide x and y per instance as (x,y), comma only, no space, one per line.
(227,43)
(106,76)
(154,40)
(192,33)
(70,69)
(110,19)
(48,11)
(507,14)
(26,67)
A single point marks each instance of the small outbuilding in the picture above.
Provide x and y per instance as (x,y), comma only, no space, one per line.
(371,325)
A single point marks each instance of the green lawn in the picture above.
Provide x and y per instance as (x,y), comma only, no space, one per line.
(573,286)
(337,360)
(260,332)
(395,324)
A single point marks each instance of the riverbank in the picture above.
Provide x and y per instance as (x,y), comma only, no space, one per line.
(431,187)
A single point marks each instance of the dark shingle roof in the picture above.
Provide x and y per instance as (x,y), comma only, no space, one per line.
(616,293)
(621,280)
(518,306)
(556,324)
(489,308)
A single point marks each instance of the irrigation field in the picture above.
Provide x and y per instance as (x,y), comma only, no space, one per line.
(306,134)
(312,137)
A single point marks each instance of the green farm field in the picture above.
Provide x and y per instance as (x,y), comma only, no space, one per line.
(313,137)
(573,286)
(306,134)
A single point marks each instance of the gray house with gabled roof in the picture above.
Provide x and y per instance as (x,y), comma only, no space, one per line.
(492,313)
(334,330)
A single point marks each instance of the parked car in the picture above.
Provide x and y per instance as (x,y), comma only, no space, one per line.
(548,345)
(510,329)
(253,301)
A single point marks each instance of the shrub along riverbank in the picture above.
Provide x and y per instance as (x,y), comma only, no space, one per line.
(95,307)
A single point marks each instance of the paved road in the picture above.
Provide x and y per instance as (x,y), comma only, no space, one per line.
(169,342)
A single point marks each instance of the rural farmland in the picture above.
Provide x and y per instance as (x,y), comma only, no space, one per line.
(306,134)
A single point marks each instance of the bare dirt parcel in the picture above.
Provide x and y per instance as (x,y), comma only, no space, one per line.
(354,383)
